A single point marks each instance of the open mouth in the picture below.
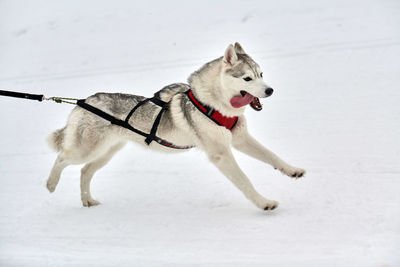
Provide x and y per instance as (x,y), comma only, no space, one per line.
(245,99)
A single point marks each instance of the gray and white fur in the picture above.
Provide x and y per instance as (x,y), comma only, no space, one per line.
(90,140)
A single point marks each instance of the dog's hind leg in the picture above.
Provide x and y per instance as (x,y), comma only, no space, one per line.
(88,171)
(59,165)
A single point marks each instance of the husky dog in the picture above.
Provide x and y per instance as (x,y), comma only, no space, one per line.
(227,84)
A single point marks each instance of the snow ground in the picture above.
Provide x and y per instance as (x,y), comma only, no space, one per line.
(335,68)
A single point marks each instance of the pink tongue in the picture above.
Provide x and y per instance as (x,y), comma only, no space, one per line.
(240,101)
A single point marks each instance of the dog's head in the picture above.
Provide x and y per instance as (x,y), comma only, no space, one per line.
(242,79)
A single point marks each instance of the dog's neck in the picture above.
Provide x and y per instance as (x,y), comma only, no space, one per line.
(206,86)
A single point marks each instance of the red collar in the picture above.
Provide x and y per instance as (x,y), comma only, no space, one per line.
(214,115)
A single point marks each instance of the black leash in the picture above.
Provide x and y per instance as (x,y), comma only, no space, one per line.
(123,123)
(22,95)
(38,97)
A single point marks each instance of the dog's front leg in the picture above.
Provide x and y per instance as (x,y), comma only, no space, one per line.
(244,142)
(222,158)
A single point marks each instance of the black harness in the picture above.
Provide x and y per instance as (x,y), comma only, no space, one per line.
(214,115)
(124,123)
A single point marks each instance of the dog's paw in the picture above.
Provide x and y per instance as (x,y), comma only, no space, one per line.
(293,172)
(51,186)
(90,202)
(298,173)
(271,205)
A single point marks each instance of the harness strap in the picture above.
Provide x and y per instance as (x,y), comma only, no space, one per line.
(124,123)
(155,100)
(108,117)
(135,108)
(152,136)
(158,102)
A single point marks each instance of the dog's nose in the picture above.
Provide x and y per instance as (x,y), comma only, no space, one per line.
(269,91)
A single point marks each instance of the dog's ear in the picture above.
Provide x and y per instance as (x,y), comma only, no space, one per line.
(239,49)
(230,57)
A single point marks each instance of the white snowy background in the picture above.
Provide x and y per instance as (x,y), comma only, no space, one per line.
(335,68)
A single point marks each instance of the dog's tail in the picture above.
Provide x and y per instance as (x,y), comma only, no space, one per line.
(55,139)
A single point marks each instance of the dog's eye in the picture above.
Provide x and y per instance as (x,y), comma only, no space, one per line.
(261,74)
(247,79)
